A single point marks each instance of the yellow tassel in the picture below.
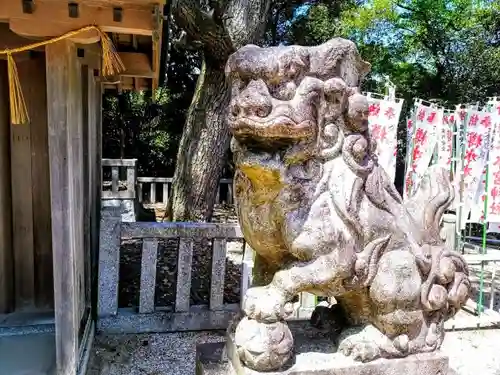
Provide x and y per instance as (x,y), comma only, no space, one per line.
(111,62)
(18,110)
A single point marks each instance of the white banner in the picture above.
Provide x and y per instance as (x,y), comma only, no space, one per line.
(423,143)
(474,159)
(445,139)
(460,120)
(493,202)
(383,121)
(493,227)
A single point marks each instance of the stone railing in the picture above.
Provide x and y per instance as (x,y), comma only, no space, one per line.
(147,190)
(120,183)
(181,316)
(117,188)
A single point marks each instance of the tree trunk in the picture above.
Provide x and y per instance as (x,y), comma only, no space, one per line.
(202,148)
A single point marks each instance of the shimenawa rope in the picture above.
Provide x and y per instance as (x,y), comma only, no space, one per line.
(111,65)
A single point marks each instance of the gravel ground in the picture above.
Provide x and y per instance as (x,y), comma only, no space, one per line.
(470,353)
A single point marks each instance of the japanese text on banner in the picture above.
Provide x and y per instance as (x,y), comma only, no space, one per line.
(383,121)
(493,209)
(474,160)
(423,143)
(445,139)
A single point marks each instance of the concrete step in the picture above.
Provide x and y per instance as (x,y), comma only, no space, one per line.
(32,354)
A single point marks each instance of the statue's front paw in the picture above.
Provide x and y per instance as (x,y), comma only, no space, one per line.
(266,304)
(359,350)
(363,343)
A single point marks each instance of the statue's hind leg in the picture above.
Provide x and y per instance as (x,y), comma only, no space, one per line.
(392,323)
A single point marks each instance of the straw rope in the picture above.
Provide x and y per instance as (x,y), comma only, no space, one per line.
(111,65)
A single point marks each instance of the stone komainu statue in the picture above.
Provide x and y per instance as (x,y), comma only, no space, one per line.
(323,216)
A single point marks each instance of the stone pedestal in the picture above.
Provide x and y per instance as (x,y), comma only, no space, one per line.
(126,207)
(315,354)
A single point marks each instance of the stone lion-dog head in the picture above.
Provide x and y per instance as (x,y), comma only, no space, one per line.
(297,98)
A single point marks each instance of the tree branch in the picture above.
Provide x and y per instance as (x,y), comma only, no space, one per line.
(201,26)
(247,20)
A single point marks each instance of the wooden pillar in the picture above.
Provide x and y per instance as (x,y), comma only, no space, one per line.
(32,242)
(91,61)
(22,198)
(32,73)
(6,261)
(65,156)
(95,105)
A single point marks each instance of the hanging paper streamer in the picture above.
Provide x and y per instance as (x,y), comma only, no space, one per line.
(383,121)
(423,143)
(474,159)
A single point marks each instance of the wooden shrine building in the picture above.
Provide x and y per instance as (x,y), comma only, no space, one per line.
(55,58)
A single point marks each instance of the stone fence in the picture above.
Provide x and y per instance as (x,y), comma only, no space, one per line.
(122,188)
(147,317)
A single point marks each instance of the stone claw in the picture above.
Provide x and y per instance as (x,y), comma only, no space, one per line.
(266,304)
(359,350)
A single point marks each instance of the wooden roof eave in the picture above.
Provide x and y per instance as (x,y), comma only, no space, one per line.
(133,17)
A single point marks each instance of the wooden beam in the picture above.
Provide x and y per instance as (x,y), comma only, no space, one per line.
(136,65)
(64,98)
(51,18)
(6,259)
(9,39)
(92,56)
(131,3)
(157,38)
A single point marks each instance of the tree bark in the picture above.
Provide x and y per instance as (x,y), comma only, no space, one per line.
(202,148)
(205,139)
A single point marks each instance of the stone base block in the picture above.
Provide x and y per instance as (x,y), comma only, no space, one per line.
(315,354)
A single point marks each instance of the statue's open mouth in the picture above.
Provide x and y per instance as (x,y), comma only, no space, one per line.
(280,129)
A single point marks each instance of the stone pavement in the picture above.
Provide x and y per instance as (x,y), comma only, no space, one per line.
(470,352)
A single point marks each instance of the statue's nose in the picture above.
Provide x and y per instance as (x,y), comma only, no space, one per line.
(254,100)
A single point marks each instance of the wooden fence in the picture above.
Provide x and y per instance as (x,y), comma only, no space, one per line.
(149,318)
